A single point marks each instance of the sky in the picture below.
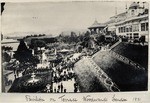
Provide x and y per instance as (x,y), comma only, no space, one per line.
(55,17)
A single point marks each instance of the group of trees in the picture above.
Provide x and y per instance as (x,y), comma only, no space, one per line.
(24,54)
(35,35)
(83,40)
(6,48)
(37,43)
(5,56)
(73,37)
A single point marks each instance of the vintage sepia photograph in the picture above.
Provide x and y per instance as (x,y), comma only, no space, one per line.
(74,46)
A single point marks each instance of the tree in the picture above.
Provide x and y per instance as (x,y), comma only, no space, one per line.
(100,39)
(73,37)
(80,38)
(39,43)
(87,34)
(79,48)
(6,48)
(142,39)
(23,53)
(22,46)
(5,57)
(86,40)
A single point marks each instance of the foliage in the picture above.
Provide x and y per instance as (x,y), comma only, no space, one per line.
(100,39)
(23,53)
(35,35)
(72,38)
(39,43)
(142,39)
(5,57)
(6,48)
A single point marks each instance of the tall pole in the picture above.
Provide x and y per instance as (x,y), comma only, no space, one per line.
(126,7)
(143,4)
(115,10)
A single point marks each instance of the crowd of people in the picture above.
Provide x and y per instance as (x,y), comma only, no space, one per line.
(62,73)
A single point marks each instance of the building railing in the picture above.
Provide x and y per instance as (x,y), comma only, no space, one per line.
(132,18)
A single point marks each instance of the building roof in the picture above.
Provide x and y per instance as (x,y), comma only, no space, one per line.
(132,18)
(110,21)
(120,15)
(10,43)
(117,18)
(5,41)
(96,24)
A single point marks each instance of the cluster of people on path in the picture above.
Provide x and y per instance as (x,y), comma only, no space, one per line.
(60,89)
(62,72)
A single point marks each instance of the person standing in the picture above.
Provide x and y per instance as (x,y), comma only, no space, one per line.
(55,89)
(15,75)
(61,87)
(58,87)
(65,90)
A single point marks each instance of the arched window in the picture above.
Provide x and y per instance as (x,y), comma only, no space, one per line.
(132,12)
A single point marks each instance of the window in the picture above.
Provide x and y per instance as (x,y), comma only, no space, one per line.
(124,29)
(142,26)
(136,35)
(132,12)
(127,29)
(135,27)
(130,29)
(127,35)
(119,30)
(131,36)
(146,26)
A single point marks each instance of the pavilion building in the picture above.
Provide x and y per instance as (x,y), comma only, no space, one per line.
(133,23)
(96,27)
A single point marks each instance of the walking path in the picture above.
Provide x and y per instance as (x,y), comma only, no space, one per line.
(68,85)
